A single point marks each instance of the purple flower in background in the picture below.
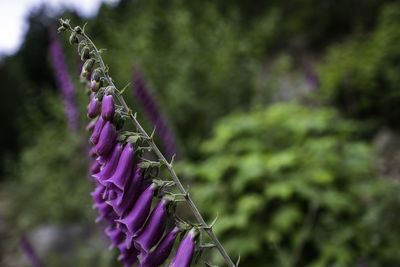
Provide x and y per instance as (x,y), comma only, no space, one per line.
(184,255)
(311,74)
(153,111)
(30,252)
(64,81)
(154,228)
(162,251)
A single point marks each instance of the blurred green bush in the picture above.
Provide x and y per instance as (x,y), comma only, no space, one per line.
(361,76)
(293,186)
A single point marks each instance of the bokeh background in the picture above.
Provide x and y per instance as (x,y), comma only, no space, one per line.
(285,117)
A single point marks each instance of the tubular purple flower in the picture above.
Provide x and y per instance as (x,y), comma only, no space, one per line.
(94,108)
(138,215)
(26,246)
(127,199)
(94,138)
(162,251)
(95,167)
(154,228)
(184,255)
(115,235)
(123,171)
(128,254)
(107,139)
(110,165)
(97,194)
(107,107)
(103,209)
(90,125)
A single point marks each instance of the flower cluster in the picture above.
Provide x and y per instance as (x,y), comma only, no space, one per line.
(136,206)
(124,193)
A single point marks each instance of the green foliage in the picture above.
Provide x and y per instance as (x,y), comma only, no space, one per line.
(49,182)
(362,76)
(293,186)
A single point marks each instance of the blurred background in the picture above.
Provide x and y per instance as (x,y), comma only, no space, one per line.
(284,116)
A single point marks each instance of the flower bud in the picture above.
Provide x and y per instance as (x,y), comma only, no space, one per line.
(110,165)
(162,251)
(107,139)
(94,138)
(138,215)
(152,231)
(128,198)
(184,255)
(85,53)
(73,39)
(107,108)
(124,169)
(87,67)
(90,125)
(94,108)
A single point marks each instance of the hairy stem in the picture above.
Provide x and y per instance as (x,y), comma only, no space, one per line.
(161,157)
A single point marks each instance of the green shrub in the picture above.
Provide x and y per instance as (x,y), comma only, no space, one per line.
(293,186)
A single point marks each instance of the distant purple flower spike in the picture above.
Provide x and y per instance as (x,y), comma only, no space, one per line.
(162,251)
(115,235)
(30,252)
(127,199)
(111,165)
(94,138)
(123,171)
(184,255)
(94,108)
(137,216)
(128,254)
(107,139)
(144,96)
(107,107)
(154,228)
(64,81)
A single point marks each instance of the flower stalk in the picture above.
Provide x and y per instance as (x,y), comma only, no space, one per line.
(79,33)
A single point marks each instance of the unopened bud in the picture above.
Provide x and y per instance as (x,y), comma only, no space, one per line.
(61,29)
(87,67)
(73,39)
(85,53)
(78,29)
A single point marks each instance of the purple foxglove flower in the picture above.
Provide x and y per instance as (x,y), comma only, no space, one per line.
(115,235)
(162,251)
(123,171)
(154,228)
(138,215)
(92,152)
(127,199)
(90,125)
(97,194)
(145,97)
(103,209)
(64,81)
(107,139)
(128,254)
(107,107)
(30,252)
(111,164)
(185,251)
(94,138)
(95,167)
(94,108)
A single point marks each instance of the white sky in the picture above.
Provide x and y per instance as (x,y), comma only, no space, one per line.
(13,14)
